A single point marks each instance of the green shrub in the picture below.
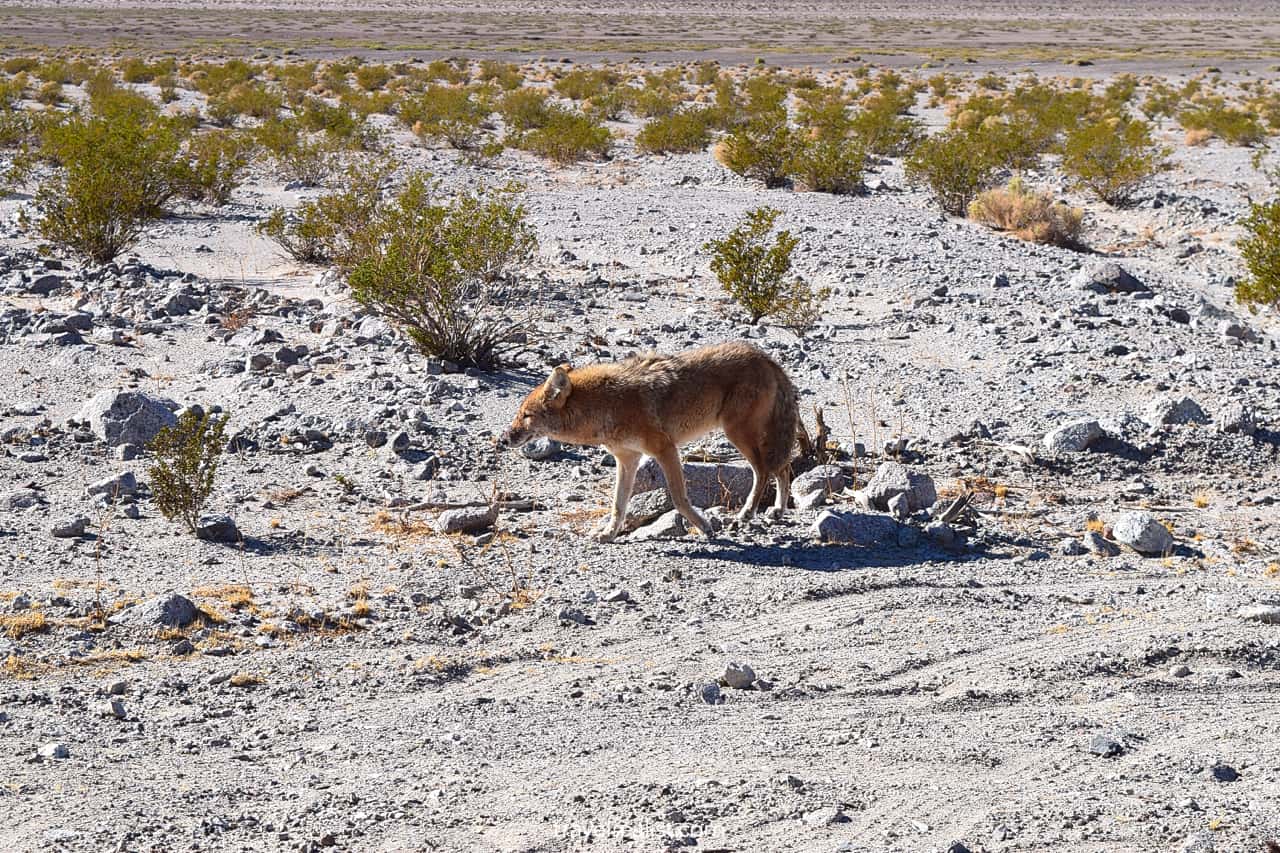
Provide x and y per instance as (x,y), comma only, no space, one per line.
(1234,126)
(445,272)
(168,85)
(50,93)
(800,307)
(1112,158)
(955,165)
(243,99)
(215,78)
(117,169)
(452,71)
(186,466)
(309,161)
(683,132)
(506,74)
(1260,249)
(653,102)
(524,109)
(751,268)
(20,64)
(215,162)
(567,137)
(371,78)
(321,231)
(450,113)
(705,73)
(825,112)
(367,103)
(337,122)
(883,130)
(829,165)
(583,83)
(761,149)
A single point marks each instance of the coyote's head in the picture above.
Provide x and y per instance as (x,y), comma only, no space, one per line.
(542,412)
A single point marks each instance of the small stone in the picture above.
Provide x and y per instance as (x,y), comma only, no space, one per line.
(669,525)
(1223,773)
(118,688)
(1071,547)
(127,417)
(540,449)
(617,596)
(217,528)
(168,611)
(826,479)
(1267,614)
(941,533)
(54,750)
(117,486)
(1143,533)
(1105,746)
(827,816)
(72,528)
(112,708)
(467,519)
(1075,437)
(1180,671)
(1107,277)
(739,676)
(894,478)
(1100,545)
(899,507)
(1236,417)
(855,528)
(1167,410)
(710,693)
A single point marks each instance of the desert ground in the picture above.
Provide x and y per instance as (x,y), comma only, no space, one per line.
(1027,600)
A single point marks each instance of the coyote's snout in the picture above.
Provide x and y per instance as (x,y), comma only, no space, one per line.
(653,404)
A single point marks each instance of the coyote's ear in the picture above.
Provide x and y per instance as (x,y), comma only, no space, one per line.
(558,385)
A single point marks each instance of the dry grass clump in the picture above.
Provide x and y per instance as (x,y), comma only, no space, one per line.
(246,679)
(1028,215)
(18,625)
(1197,137)
(234,596)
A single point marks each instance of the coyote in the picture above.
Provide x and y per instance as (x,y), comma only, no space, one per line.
(652,404)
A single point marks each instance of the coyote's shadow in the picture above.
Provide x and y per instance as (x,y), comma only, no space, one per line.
(809,557)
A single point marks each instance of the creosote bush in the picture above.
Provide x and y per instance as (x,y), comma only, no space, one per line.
(1260,249)
(755,270)
(683,132)
(829,165)
(322,231)
(117,168)
(187,456)
(760,149)
(446,271)
(955,165)
(1028,215)
(214,163)
(566,137)
(1112,158)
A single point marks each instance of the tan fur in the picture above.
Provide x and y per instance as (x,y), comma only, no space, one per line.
(652,404)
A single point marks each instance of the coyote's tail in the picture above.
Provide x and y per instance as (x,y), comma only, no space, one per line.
(784,423)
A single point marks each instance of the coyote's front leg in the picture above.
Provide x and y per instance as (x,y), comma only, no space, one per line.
(627,463)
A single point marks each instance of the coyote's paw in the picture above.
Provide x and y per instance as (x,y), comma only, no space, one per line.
(606,532)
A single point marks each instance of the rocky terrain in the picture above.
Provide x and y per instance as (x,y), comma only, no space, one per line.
(1033,605)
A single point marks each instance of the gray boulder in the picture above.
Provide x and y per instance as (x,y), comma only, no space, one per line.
(1236,417)
(709,483)
(892,479)
(127,417)
(1100,545)
(1167,410)
(472,519)
(1074,437)
(1267,614)
(116,486)
(167,611)
(1140,531)
(670,525)
(739,676)
(822,478)
(856,528)
(540,449)
(217,528)
(1107,277)
(69,528)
